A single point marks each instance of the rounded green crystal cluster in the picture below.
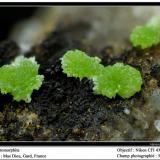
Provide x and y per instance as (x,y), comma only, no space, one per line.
(147,35)
(76,63)
(20,78)
(120,79)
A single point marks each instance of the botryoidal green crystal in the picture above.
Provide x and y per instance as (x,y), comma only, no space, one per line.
(76,63)
(120,79)
(20,78)
(146,35)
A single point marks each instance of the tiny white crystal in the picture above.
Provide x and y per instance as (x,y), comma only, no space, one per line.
(157,125)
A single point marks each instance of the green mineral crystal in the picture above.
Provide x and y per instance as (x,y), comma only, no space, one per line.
(120,79)
(20,78)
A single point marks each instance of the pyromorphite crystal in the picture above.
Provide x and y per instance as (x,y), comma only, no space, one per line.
(106,83)
(120,79)
(145,36)
(76,63)
(20,78)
